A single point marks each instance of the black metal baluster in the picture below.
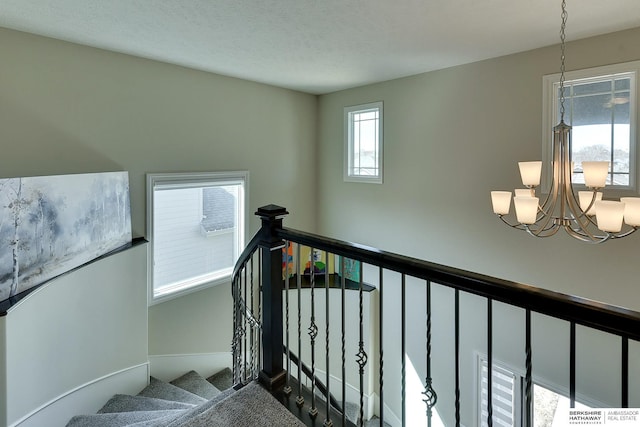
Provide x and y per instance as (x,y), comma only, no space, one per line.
(430,395)
(252,349)
(300,397)
(234,341)
(528,378)
(572,366)
(344,355)
(625,372)
(403,348)
(489,362)
(457,355)
(361,355)
(380,327)
(260,309)
(327,421)
(287,387)
(244,329)
(313,333)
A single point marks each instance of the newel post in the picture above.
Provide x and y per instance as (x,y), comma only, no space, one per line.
(272,374)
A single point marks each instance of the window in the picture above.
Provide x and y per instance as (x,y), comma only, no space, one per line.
(600,105)
(504,394)
(550,406)
(551,409)
(195,224)
(363,143)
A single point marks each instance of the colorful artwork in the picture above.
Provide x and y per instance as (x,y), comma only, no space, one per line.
(349,268)
(52,224)
(319,263)
(288,267)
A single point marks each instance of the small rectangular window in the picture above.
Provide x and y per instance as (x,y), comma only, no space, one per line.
(363,143)
(195,225)
(600,106)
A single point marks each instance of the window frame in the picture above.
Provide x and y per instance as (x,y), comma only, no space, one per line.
(349,112)
(186,179)
(550,108)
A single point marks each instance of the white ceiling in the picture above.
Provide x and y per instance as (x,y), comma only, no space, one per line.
(316,46)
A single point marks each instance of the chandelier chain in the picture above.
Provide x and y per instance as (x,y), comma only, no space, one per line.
(562,56)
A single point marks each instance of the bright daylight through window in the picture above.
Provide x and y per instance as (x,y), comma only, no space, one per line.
(363,143)
(195,225)
(600,106)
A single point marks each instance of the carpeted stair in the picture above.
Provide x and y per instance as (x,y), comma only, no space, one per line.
(191,401)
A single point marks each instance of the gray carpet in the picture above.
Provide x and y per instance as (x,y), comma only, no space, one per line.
(194,383)
(222,380)
(121,419)
(127,403)
(163,390)
(192,413)
(192,401)
(251,406)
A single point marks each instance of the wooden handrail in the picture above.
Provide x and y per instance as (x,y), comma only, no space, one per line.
(605,317)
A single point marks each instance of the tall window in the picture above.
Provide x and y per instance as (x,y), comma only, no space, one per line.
(195,224)
(363,143)
(600,105)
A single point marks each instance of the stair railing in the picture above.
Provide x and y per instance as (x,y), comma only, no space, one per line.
(275,285)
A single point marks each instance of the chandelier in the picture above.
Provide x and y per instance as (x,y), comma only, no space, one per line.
(586,217)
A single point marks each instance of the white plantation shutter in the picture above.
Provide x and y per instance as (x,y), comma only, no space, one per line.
(504,395)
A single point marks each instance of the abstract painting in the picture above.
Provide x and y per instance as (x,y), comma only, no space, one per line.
(349,268)
(52,224)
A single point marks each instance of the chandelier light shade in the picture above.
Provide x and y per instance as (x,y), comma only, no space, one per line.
(586,217)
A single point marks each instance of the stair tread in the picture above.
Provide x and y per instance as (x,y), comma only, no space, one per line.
(121,419)
(157,422)
(196,384)
(128,403)
(251,406)
(194,412)
(164,390)
(223,379)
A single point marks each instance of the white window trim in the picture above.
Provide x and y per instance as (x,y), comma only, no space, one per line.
(181,180)
(549,121)
(347,143)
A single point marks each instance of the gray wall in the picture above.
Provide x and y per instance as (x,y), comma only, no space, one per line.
(65,109)
(450,137)
(70,332)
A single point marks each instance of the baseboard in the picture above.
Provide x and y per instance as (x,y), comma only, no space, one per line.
(87,398)
(167,367)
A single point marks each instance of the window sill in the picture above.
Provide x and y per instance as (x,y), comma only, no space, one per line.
(177,292)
